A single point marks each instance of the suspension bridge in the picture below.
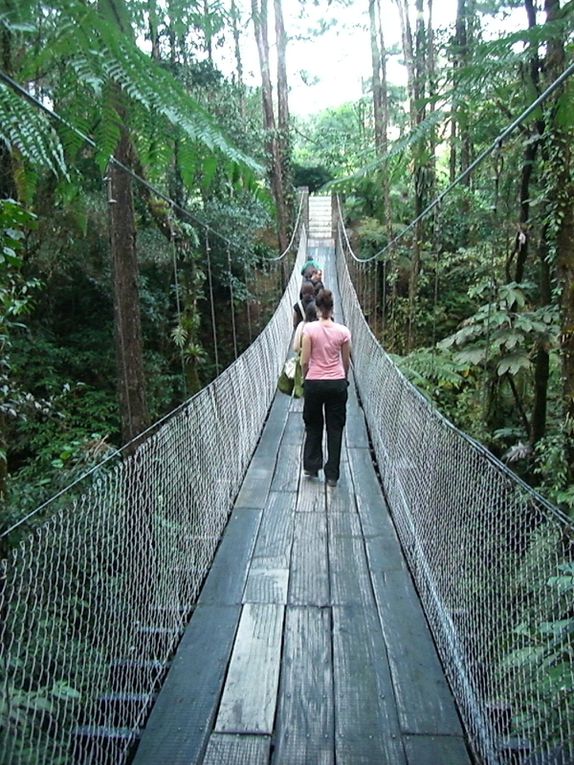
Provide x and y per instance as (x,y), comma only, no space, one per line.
(204,602)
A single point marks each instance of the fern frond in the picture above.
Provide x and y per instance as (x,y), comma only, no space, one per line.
(100,52)
(428,368)
(23,127)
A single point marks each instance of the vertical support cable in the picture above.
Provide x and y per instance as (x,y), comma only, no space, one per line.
(178,306)
(247,304)
(376,297)
(384,301)
(436,227)
(212,303)
(232,301)
(498,165)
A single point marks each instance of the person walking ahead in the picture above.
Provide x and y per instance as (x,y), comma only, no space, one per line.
(325,358)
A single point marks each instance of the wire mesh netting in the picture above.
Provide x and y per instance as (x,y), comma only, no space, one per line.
(492,560)
(94,602)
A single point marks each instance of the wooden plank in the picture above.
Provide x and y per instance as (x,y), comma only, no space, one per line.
(431,750)
(366,721)
(275,536)
(425,703)
(356,428)
(266,584)
(297,405)
(295,429)
(311,496)
(182,717)
(250,693)
(309,581)
(384,554)
(383,547)
(232,749)
(305,721)
(274,426)
(348,568)
(228,572)
(257,482)
(371,504)
(341,499)
(286,477)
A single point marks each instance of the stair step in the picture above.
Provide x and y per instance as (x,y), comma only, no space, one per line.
(116,708)
(103,744)
(105,732)
(136,672)
(161,636)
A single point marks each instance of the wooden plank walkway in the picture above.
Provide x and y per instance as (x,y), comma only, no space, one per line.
(308,645)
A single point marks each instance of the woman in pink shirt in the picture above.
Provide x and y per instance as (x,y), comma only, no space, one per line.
(325,358)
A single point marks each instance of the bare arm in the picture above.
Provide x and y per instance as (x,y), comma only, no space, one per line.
(298,337)
(346,356)
(305,354)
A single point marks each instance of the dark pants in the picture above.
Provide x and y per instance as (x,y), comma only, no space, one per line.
(332,396)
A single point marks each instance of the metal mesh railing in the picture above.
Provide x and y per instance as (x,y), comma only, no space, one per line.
(95,600)
(492,560)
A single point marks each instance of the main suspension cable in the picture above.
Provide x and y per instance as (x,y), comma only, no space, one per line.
(193,217)
(494,146)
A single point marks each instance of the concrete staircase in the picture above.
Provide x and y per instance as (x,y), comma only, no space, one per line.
(320,226)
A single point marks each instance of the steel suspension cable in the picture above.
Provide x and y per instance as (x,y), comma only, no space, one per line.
(212,303)
(481,157)
(293,235)
(178,309)
(20,90)
(193,217)
(232,302)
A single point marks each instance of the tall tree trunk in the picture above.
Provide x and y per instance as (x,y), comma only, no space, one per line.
(129,346)
(284,136)
(207,31)
(420,166)
(542,360)
(376,80)
(383,268)
(385,126)
(460,142)
(259,13)
(561,167)
(8,191)
(7,180)
(235,17)
(153,26)
(125,269)
(532,142)
(431,78)
(408,53)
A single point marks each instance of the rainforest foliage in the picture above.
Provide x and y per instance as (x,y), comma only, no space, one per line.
(122,298)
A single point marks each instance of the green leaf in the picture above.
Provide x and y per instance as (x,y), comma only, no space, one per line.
(63,691)
(513,363)
(473,356)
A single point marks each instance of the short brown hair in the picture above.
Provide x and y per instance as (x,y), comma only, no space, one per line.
(324,301)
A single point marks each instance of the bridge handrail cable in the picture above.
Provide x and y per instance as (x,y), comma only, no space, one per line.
(493,561)
(95,599)
(494,146)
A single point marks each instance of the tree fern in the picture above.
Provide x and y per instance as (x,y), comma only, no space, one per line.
(100,55)
(432,368)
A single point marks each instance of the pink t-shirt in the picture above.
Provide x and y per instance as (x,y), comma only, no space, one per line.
(327,339)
